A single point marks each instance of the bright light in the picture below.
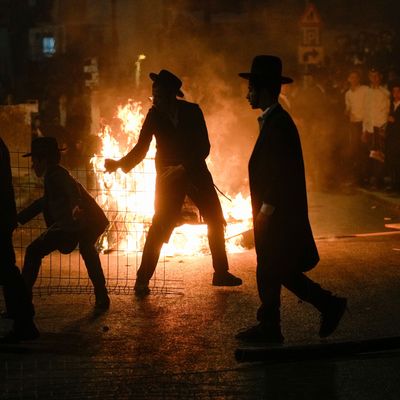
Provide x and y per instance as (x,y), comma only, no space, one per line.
(128,199)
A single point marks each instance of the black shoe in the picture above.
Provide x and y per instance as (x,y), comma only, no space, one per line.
(141,289)
(262,333)
(21,332)
(225,279)
(102,302)
(332,315)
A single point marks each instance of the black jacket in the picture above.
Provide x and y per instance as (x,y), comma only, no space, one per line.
(8,210)
(62,193)
(187,143)
(276,176)
(393,137)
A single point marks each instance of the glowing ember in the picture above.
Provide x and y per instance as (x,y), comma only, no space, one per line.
(128,199)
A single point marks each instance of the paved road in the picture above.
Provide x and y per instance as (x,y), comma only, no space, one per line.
(180,345)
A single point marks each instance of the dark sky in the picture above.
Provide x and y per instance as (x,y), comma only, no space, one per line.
(342,13)
(359,12)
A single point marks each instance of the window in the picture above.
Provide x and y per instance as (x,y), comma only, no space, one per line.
(48,46)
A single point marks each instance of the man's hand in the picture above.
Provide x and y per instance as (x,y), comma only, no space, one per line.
(111,165)
(77,213)
(262,222)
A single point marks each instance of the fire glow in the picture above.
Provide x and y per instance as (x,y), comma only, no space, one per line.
(128,199)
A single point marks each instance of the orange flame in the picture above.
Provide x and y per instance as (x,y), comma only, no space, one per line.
(128,199)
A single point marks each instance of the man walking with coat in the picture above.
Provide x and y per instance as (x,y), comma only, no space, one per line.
(284,242)
(16,296)
(182,148)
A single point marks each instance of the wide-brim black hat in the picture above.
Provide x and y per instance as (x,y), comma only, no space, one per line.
(44,147)
(266,69)
(168,80)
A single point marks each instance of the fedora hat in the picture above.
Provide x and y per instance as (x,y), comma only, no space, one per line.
(169,80)
(44,147)
(266,69)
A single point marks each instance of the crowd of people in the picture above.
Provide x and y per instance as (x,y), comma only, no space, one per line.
(347,114)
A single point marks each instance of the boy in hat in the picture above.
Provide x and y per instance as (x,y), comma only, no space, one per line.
(18,303)
(72,217)
(182,147)
(284,242)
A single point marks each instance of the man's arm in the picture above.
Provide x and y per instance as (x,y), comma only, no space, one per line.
(138,153)
(284,162)
(31,211)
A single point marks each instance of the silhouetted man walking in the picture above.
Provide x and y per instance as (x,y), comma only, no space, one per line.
(182,147)
(16,296)
(284,243)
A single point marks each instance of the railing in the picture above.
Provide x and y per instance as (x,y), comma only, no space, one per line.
(66,273)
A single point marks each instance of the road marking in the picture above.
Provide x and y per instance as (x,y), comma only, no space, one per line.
(371,234)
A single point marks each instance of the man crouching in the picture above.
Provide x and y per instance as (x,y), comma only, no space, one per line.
(72,217)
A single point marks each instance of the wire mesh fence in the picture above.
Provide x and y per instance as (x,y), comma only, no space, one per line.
(120,246)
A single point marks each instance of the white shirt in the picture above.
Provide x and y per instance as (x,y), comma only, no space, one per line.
(261,119)
(376,108)
(354,99)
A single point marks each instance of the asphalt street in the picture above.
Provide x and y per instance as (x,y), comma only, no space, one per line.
(179,344)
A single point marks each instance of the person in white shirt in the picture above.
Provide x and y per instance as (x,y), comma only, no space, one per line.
(358,151)
(375,118)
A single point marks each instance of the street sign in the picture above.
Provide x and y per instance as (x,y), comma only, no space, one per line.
(310,36)
(310,50)
(311,17)
(91,72)
(311,54)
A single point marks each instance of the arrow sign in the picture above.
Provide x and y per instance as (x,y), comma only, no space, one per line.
(311,54)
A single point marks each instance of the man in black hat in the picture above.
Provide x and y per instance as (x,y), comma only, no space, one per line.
(17,300)
(182,147)
(284,242)
(72,217)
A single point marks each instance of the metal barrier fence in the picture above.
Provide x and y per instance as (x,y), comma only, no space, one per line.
(66,273)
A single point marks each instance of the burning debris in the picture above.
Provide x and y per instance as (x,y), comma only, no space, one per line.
(128,199)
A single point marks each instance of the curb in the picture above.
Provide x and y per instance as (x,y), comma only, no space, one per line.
(392,203)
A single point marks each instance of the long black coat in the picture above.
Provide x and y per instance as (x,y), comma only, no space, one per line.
(276,174)
(8,210)
(393,138)
(186,144)
(62,193)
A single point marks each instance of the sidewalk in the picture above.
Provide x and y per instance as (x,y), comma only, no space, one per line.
(391,200)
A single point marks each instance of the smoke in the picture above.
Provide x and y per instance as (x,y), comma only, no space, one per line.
(206,46)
